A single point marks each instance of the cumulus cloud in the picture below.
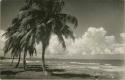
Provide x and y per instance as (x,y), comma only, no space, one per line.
(120,48)
(2,40)
(55,46)
(1,35)
(122,35)
(92,42)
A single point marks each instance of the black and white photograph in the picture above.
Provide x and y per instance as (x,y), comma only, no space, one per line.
(62,39)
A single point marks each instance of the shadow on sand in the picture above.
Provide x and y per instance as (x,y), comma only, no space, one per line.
(72,75)
(60,73)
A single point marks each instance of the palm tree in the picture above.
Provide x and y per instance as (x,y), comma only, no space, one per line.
(18,41)
(38,19)
(13,46)
(51,20)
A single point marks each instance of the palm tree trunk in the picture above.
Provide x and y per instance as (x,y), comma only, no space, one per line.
(12,59)
(18,61)
(43,59)
(24,61)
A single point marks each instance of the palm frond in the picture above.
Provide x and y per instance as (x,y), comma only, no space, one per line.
(68,19)
(61,39)
(67,32)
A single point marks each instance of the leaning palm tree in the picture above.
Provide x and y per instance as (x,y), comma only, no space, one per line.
(38,19)
(18,43)
(10,45)
(51,20)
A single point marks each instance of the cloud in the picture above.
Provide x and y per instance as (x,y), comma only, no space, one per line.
(2,41)
(1,35)
(92,42)
(2,38)
(120,47)
(122,35)
(55,46)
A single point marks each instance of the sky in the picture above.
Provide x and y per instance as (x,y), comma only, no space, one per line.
(100,33)
(98,13)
